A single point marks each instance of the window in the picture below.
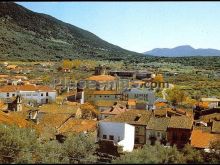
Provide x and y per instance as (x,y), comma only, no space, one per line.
(7,94)
(174,136)
(158,134)
(137,140)
(13,94)
(104,136)
(47,94)
(137,129)
(111,137)
(137,118)
(42,94)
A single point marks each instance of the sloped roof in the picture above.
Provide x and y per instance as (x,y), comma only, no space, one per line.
(102,78)
(104,103)
(216,127)
(200,139)
(159,124)
(4,76)
(160,104)
(136,117)
(77,125)
(115,109)
(182,122)
(208,117)
(12,119)
(53,120)
(131,102)
(14,88)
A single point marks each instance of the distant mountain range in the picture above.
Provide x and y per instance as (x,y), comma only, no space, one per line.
(183,51)
(27,35)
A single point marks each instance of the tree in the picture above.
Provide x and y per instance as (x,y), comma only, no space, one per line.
(67,64)
(17,144)
(158,78)
(152,154)
(176,96)
(192,155)
(51,152)
(214,155)
(80,148)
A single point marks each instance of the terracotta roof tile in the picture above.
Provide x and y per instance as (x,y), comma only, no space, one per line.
(14,88)
(200,139)
(102,78)
(115,109)
(159,124)
(132,102)
(139,117)
(183,122)
(77,125)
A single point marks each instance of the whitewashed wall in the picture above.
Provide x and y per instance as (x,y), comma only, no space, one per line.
(123,131)
(35,95)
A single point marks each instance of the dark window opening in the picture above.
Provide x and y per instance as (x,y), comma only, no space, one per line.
(7,94)
(104,136)
(111,137)
(174,136)
(111,109)
(137,118)
(47,94)
(137,140)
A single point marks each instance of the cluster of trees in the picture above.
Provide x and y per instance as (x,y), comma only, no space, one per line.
(22,145)
(159,154)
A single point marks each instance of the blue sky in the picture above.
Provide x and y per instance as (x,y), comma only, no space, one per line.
(141,26)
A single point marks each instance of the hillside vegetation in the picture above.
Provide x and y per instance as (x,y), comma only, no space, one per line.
(27,35)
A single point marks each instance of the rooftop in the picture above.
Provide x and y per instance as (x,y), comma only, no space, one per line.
(77,125)
(102,78)
(14,88)
(216,127)
(182,122)
(200,139)
(135,117)
(115,109)
(159,124)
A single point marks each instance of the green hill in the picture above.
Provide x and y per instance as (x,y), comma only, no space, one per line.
(27,35)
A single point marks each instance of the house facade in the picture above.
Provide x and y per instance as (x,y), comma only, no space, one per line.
(136,118)
(179,130)
(121,134)
(156,130)
(145,96)
(39,94)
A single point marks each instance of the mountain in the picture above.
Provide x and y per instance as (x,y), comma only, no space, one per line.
(185,50)
(27,35)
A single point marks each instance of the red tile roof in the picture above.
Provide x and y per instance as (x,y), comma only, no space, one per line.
(200,139)
(14,88)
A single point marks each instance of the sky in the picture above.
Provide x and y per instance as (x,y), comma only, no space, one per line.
(141,26)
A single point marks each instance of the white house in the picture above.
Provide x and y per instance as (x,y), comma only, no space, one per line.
(38,93)
(121,133)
